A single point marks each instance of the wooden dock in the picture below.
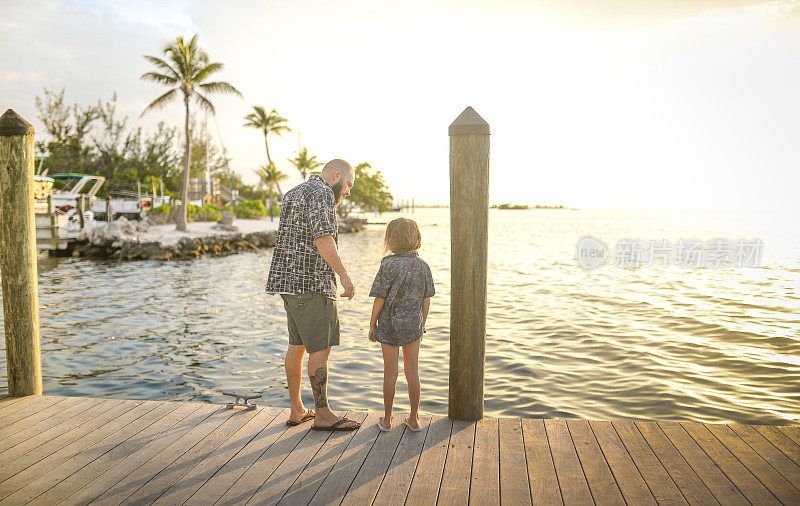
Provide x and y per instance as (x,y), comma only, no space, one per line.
(75,450)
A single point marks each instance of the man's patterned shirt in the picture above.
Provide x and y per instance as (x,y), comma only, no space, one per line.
(307,212)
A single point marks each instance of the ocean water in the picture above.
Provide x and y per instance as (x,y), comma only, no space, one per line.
(665,343)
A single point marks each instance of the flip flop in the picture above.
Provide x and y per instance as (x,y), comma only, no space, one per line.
(381,427)
(337,426)
(405,422)
(308,416)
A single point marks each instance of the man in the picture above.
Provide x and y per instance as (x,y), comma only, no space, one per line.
(302,272)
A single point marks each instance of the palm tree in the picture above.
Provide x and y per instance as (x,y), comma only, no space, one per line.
(185,69)
(269,178)
(267,123)
(304,164)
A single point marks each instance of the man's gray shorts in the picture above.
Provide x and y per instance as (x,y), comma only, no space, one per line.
(313,320)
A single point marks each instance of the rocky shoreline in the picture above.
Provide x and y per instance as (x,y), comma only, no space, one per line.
(131,240)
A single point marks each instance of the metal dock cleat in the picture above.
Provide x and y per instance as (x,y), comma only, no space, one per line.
(243,398)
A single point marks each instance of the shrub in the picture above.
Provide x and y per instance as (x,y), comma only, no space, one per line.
(205,213)
(161,215)
(251,209)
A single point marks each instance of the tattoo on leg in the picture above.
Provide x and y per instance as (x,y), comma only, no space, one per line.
(319,385)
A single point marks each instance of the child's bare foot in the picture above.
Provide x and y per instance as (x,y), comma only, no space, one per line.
(383,427)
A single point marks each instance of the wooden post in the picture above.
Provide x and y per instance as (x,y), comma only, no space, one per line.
(81,207)
(469,214)
(108,209)
(51,211)
(18,257)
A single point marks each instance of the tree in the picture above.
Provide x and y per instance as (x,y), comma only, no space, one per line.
(304,164)
(268,123)
(369,192)
(270,179)
(185,69)
(68,128)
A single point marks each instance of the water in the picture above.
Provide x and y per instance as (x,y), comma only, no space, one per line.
(656,343)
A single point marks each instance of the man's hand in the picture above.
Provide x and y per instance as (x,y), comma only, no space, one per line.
(349,289)
(372,334)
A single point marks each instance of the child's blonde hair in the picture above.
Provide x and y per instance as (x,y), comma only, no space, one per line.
(402,234)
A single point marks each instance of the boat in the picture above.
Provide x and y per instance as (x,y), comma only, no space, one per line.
(58,202)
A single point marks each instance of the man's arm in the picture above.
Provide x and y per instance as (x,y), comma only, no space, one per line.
(327,248)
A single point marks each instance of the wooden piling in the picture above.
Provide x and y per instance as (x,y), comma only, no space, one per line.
(81,210)
(18,256)
(51,212)
(469,214)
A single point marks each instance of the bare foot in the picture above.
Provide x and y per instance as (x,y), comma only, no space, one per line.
(412,422)
(385,426)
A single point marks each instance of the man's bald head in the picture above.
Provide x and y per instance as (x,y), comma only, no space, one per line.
(337,164)
(340,176)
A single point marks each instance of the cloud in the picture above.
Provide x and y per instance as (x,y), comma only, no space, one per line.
(33,77)
(10,77)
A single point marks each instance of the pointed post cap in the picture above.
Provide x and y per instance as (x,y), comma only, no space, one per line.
(469,122)
(12,124)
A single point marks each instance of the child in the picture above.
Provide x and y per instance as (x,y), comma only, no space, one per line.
(402,290)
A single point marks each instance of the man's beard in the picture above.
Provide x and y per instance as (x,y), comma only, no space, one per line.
(337,191)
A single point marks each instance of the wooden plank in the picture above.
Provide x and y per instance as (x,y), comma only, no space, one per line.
(260,471)
(571,480)
(485,480)
(598,474)
(44,429)
(761,469)
(631,484)
(369,477)
(141,418)
(32,414)
(397,480)
(118,475)
(154,488)
(542,478)
(427,476)
(115,456)
(17,459)
(127,486)
(714,479)
(657,478)
(781,441)
(791,432)
(273,490)
(31,468)
(769,452)
(514,486)
(743,479)
(211,491)
(686,479)
(457,474)
(189,483)
(10,412)
(9,405)
(335,485)
(312,477)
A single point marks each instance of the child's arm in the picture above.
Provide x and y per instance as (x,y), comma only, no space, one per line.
(377,306)
(426,306)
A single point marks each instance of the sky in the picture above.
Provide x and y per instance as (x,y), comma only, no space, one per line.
(689,104)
